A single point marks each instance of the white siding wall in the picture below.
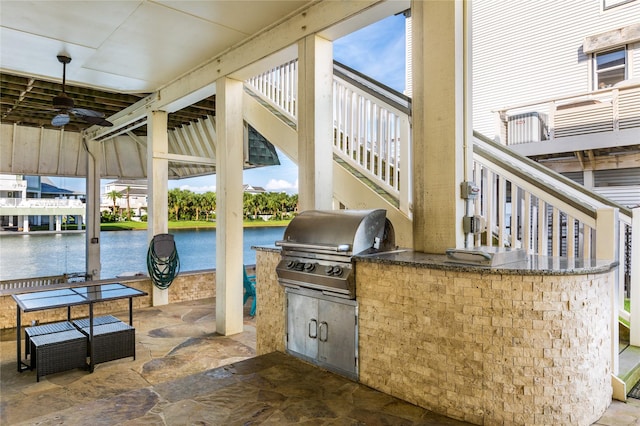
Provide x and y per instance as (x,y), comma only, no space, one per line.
(634,61)
(531,50)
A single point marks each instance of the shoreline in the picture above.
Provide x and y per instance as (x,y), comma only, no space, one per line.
(108,227)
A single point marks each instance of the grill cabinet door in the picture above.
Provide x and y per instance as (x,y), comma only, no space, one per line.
(302,325)
(337,335)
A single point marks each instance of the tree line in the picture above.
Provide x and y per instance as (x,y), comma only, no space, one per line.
(187,205)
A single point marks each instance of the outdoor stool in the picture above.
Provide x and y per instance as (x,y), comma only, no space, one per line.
(84,323)
(56,352)
(38,330)
(112,341)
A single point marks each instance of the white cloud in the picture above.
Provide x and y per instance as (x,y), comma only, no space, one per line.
(279,185)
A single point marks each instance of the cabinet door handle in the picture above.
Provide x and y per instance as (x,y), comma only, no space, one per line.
(313,328)
(324,326)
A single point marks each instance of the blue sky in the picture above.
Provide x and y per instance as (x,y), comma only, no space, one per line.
(377,51)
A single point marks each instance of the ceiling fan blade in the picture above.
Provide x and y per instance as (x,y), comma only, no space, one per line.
(65,104)
(96,121)
(82,112)
(60,120)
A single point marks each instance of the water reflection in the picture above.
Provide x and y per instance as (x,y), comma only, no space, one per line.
(37,255)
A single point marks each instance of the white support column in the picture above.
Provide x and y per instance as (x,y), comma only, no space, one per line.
(229,239)
(25,223)
(634,284)
(607,233)
(52,223)
(157,184)
(58,223)
(315,123)
(92,234)
(406,184)
(588,179)
(441,121)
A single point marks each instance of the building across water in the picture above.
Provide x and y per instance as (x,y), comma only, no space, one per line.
(27,201)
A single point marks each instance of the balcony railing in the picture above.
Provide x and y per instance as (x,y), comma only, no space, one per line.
(41,202)
(609,110)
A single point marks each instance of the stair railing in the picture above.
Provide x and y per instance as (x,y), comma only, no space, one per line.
(279,86)
(526,205)
(371,123)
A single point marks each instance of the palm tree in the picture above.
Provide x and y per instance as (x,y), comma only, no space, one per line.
(113,196)
(185,205)
(209,203)
(128,203)
(174,197)
(249,206)
(273,204)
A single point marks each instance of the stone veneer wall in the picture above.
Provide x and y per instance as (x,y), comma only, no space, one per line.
(271,308)
(186,286)
(487,348)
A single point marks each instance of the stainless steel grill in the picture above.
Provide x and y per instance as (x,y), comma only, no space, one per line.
(319,245)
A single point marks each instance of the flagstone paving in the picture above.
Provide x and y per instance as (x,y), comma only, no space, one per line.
(185,373)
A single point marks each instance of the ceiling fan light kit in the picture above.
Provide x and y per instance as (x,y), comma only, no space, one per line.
(65,105)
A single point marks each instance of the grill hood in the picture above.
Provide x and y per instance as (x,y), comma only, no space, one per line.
(347,232)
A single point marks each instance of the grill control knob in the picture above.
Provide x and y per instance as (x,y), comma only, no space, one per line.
(308,267)
(291,264)
(328,270)
(337,271)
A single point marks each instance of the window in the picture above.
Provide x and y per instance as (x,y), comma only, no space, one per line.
(610,68)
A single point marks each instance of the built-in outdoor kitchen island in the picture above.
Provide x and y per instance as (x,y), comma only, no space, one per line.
(528,342)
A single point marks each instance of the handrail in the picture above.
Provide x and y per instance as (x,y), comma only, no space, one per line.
(539,168)
(514,172)
(374,88)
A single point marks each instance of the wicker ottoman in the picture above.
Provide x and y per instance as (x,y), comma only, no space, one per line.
(38,330)
(112,341)
(56,352)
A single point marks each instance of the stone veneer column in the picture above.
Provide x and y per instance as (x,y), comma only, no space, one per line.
(487,348)
(271,305)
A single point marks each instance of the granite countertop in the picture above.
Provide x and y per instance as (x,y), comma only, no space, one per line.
(272,248)
(530,265)
(527,265)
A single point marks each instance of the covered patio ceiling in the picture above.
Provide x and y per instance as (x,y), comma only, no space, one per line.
(129,57)
(121,53)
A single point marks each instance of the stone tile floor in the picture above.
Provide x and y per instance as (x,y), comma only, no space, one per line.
(184,373)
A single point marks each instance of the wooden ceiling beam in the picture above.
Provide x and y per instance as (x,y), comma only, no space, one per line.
(29,102)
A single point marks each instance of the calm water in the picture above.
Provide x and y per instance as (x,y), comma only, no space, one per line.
(36,255)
